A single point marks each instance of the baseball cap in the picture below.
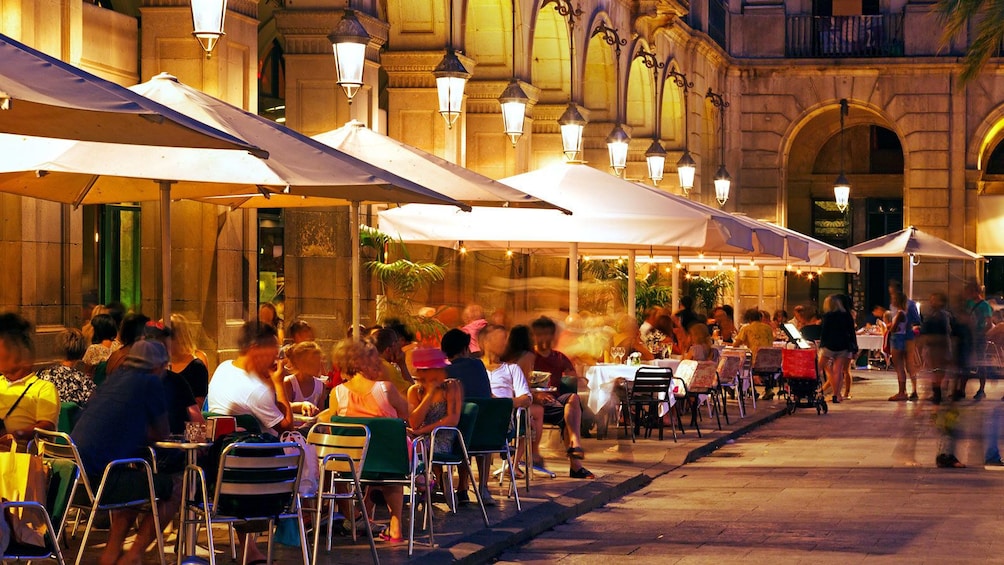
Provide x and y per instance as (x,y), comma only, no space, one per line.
(147,354)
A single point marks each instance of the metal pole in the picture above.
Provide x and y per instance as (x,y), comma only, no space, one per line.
(909,288)
(573,278)
(356,291)
(759,297)
(735,297)
(632,284)
(676,286)
(165,249)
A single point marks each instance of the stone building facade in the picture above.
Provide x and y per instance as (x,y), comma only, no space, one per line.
(917,147)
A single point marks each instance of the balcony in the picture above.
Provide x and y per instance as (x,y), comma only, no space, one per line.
(844,36)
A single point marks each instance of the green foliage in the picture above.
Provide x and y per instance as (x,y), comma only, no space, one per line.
(649,290)
(708,290)
(982,21)
(401,278)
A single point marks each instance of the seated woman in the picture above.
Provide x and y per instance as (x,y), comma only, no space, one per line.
(701,348)
(187,360)
(71,384)
(103,334)
(304,390)
(365,396)
(629,338)
(434,401)
(755,333)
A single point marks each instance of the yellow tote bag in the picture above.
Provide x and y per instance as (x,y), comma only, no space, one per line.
(24,477)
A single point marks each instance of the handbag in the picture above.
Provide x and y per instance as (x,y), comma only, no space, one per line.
(24,477)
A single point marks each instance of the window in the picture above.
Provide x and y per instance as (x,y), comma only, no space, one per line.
(111,265)
(271,257)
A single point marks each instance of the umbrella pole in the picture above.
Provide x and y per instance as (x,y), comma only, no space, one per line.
(573,278)
(165,249)
(356,293)
(632,285)
(735,297)
(759,290)
(909,288)
(676,286)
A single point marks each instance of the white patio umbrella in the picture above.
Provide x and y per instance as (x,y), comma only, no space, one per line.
(609,215)
(913,244)
(44,97)
(88,172)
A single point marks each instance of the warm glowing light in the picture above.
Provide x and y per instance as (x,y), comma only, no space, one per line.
(348,42)
(451,77)
(571,124)
(207,22)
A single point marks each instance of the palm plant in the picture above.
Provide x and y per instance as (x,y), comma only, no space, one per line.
(985,39)
(708,290)
(649,290)
(399,279)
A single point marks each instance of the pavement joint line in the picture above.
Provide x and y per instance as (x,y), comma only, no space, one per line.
(488,543)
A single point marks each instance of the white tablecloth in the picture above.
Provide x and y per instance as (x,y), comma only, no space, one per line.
(601,379)
(869,341)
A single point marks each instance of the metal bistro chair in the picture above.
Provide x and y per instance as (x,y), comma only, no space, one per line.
(57,445)
(254,482)
(387,461)
(342,449)
(682,380)
(457,457)
(651,388)
(490,436)
(729,376)
(767,366)
(63,478)
(706,382)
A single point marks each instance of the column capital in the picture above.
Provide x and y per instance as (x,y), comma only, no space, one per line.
(306,30)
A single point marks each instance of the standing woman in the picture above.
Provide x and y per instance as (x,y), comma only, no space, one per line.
(838,342)
(905,316)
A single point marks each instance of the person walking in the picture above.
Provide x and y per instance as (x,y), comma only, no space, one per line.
(838,342)
(905,316)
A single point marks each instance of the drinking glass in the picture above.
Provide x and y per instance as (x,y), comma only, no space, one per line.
(618,354)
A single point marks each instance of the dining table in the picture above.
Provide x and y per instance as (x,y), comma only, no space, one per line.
(601,378)
(191,449)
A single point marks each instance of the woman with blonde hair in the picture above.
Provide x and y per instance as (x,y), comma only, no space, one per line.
(364,395)
(186,360)
(701,347)
(304,390)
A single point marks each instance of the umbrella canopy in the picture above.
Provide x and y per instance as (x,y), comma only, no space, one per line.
(45,97)
(83,172)
(608,215)
(913,243)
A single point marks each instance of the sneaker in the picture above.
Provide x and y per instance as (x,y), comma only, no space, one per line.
(486,497)
(980,395)
(994,465)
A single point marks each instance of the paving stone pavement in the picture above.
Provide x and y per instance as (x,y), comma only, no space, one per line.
(858,485)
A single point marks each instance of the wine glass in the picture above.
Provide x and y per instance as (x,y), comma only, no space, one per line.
(617,353)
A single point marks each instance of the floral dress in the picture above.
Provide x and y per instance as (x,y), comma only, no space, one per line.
(71,384)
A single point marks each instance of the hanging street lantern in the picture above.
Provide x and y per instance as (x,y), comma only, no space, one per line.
(348,42)
(655,157)
(571,123)
(617,147)
(207,22)
(514,102)
(723,183)
(686,169)
(451,77)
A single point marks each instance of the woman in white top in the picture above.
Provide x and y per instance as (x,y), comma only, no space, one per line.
(507,379)
(303,389)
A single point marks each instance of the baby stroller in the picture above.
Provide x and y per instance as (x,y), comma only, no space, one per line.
(802,382)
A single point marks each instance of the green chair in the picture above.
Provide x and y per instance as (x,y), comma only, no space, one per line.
(457,457)
(491,434)
(387,461)
(63,477)
(68,414)
(342,449)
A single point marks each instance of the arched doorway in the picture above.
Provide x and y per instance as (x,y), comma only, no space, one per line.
(873,162)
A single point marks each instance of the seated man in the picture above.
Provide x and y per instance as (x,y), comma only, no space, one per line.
(473,377)
(26,401)
(251,385)
(130,408)
(564,410)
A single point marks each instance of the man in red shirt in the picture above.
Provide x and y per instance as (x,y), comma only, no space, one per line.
(564,410)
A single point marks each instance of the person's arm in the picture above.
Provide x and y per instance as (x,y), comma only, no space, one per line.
(396,400)
(520,388)
(419,403)
(282,404)
(331,410)
(454,402)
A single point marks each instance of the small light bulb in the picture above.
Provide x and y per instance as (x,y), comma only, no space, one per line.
(586,258)
(809,276)
(667,269)
(508,253)
(463,250)
(719,261)
(700,255)
(753,261)
(679,265)
(735,269)
(798,271)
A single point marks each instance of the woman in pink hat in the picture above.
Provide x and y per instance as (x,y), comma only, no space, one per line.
(434,400)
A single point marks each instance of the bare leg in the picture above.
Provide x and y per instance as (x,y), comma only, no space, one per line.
(847,381)
(837,374)
(573,420)
(166,509)
(121,520)
(395,504)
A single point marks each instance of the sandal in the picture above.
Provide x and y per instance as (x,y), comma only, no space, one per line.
(581,473)
(385,538)
(576,453)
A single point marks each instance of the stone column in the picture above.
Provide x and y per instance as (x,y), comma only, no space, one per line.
(214,277)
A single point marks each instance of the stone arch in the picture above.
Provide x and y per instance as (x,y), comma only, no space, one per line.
(875,163)
(988,136)
(488,37)
(642,95)
(672,126)
(549,64)
(599,77)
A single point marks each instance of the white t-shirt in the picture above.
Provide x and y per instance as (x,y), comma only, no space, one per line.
(234,391)
(508,381)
